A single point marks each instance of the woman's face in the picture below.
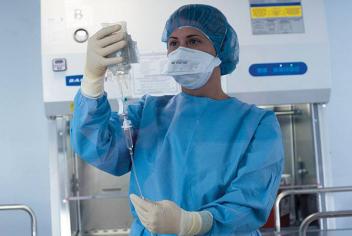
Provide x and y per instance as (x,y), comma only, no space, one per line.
(190,38)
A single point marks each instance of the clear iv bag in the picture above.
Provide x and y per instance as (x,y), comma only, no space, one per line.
(129,53)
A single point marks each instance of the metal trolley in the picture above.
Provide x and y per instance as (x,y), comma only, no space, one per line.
(303,228)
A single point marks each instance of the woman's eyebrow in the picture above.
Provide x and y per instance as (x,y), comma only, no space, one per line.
(192,35)
(188,36)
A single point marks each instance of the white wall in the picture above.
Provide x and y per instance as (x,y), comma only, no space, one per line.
(23,131)
(339,110)
(23,127)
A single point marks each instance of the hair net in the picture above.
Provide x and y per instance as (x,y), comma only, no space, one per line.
(214,25)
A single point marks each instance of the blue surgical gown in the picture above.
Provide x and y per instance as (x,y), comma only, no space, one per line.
(223,156)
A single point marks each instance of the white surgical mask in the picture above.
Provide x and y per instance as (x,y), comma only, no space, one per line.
(190,68)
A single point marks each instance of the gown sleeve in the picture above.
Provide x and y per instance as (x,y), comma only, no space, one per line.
(247,202)
(97,136)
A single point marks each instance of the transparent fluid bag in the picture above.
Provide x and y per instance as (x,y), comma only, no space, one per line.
(129,53)
(120,73)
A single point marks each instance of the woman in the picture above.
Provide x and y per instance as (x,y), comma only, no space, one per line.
(207,163)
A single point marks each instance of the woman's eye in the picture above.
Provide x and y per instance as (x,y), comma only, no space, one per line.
(172,44)
(194,41)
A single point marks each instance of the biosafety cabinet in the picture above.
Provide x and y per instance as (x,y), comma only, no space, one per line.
(284,66)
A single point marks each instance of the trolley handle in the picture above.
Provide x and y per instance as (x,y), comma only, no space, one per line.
(328,214)
(25,208)
(286,193)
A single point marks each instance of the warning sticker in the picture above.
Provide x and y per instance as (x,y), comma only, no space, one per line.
(276,16)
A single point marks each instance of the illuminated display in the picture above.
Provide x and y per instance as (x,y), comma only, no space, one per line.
(276,69)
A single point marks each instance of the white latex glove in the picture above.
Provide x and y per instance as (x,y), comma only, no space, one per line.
(105,42)
(165,217)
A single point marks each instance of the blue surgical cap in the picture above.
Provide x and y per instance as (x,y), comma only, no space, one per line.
(214,25)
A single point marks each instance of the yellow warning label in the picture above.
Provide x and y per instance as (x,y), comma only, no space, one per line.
(72,107)
(276,12)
